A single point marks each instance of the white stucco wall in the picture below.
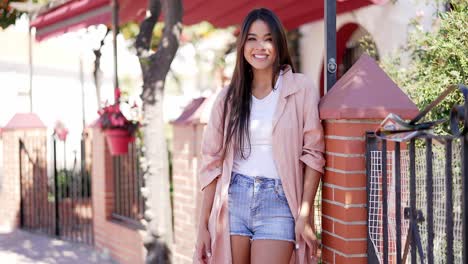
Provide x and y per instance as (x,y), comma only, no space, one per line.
(387,24)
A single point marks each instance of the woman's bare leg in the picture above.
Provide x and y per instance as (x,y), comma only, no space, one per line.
(271,251)
(240,249)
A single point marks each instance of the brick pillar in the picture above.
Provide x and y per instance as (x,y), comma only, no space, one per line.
(357,103)
(29,128)
(344,197)
(187,197)
(188,132)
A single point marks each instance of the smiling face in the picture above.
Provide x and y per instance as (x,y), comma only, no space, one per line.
(259,47)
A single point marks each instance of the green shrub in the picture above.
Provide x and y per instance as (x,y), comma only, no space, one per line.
(437,59)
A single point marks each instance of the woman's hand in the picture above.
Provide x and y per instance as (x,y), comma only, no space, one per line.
(203,246)
(305,230)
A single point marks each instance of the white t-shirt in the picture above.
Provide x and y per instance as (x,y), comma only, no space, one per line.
(260,161)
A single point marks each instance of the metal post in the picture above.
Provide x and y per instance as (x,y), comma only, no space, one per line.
(115,25)
(412,220)
(21,184)
(430,200)
(449,201)
(56,194)
(371,145)
(398,200)
(384,201)
(465,186)
(82,192)
(330,44)
(465,194)
(82,91)
(30,64)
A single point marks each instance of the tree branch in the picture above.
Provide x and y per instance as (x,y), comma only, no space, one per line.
(97,68)
(143,39)
(169,43)
(156,66)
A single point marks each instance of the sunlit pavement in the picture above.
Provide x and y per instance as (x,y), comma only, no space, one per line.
(18,246)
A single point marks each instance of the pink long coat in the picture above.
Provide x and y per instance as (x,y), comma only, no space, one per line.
(298,141)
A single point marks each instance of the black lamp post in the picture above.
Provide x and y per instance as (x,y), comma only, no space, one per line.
(30,8)
(330,65)
(115,31)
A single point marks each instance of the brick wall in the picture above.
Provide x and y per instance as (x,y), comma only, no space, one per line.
(122,241)
(187,197)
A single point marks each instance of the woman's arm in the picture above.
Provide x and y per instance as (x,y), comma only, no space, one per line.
(210,171)
(207,202)
(305,222)
(203,244)
(311,183)
(312,158)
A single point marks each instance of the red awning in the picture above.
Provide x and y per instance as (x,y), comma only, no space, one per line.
(76,14)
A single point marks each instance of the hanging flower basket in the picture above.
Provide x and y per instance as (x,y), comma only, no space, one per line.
(118,140)
(119,130)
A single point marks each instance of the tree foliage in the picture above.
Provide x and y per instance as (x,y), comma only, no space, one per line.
(438,58)
(8,14)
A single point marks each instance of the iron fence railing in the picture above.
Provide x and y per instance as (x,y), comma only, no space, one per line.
(58,204)
(417,194)
(36,209)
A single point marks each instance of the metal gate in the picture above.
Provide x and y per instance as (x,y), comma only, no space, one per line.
(58,204)
(417,194)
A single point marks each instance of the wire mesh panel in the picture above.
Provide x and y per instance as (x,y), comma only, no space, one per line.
(438,232)
(375,209)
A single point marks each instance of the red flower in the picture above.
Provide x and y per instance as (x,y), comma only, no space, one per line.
(111,117)
(61,131)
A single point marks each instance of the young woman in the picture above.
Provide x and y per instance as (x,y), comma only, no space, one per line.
(262,156)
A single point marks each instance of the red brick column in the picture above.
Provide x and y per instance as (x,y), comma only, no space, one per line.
(344,195)
(187,197)
(29,128)
(188,132)
(357,103)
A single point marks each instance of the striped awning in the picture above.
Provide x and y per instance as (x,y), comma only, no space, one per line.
(76,14)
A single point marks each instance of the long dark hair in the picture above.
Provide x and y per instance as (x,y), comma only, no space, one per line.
(238,100)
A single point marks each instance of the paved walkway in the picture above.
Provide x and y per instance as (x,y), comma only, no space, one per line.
(22,247)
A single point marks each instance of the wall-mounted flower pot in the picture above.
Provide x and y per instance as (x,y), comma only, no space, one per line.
(118,140)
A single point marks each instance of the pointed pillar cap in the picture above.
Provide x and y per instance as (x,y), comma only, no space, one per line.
(24,121)
(366,92)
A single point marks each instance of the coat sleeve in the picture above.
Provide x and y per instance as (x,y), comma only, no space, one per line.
(211,145)
(314,145)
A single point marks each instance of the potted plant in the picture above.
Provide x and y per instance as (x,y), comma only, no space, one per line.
(119,130)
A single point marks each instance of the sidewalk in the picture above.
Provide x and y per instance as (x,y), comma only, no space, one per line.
(22,247)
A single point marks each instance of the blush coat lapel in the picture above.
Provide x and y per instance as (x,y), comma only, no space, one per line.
(288,87)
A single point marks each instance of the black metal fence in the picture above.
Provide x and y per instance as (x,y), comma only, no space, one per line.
(60,204)
(128,181)
(73,193)
(417,197)
(36,205)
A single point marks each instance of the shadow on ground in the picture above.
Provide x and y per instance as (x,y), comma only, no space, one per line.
(23,247)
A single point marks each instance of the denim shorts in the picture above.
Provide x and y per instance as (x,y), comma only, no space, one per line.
(258,209)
